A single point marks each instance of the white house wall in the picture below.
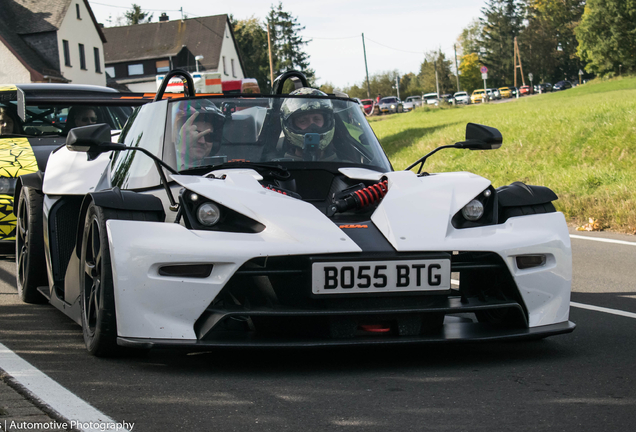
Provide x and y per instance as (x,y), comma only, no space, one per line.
(83,31)
(228,50)
(12,70)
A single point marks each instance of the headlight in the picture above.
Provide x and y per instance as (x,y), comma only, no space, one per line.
(473,211)
(7,185)
(208,214)
(392,106)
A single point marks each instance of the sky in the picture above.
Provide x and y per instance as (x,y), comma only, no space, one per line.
(397,34)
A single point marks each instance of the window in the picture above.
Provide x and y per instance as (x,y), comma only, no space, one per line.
(98,63)
(110,71)
(224,66)
(232,63)
(67,53)
(82,57)
(136,69)
(163,66)
(77,9)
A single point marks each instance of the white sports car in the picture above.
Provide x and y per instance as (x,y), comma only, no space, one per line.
(277,220)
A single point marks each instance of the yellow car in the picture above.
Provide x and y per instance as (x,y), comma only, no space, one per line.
(34,120)
(478,96)
(505,92)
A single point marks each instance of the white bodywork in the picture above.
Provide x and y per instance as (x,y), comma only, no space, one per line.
(415,215)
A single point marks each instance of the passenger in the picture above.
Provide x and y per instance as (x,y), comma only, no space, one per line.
(80,116)
(198,137)
(9,122)
(300,117)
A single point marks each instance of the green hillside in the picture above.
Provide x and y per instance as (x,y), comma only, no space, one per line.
(580,142)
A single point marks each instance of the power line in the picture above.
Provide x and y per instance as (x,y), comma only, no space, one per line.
(127,7)
(338,38)
(395,49)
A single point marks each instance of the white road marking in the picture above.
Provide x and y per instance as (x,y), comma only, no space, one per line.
(602,309)
(52,394)
(601,239)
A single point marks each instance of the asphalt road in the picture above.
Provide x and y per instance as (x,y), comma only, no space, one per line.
(583,381)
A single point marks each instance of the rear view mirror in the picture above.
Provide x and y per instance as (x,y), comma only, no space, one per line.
(92,139)
(86,138)
(480,137)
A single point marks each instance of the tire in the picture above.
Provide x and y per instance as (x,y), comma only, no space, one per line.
(400,109)
(97,297)
(97,294)
(29,247)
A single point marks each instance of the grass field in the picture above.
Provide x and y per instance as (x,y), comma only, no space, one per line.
(580,142)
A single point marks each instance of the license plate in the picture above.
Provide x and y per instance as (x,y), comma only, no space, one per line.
(354,277)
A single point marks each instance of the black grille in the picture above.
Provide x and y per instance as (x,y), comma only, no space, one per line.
(65,215)
(272,296)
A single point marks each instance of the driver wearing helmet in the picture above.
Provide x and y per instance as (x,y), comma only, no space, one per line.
(198,133)
(308,126)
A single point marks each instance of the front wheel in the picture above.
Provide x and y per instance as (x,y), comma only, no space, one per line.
(29,247)
(97,298)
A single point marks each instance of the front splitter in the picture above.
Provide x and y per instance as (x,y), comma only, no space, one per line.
(453,332)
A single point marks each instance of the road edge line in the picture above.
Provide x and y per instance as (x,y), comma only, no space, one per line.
(602,239)
(47,394)
(602,309)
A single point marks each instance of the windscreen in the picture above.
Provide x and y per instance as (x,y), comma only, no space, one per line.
(56,119)
(288,129)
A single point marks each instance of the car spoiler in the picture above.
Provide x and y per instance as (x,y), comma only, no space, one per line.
(74,97)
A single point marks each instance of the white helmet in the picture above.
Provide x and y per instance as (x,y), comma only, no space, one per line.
(295,107)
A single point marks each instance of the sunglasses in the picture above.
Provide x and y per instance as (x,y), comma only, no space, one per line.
(87,119)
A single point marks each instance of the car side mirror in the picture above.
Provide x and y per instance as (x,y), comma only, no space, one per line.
(480,137)
(92,139)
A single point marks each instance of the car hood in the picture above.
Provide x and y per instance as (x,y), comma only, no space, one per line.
(415,211)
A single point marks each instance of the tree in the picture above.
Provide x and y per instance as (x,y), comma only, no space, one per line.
(287,45)
(469,40)
(251,38)
(470,76)
(136,16)
(502,22)
(445,76)
(607,36)
(548,43)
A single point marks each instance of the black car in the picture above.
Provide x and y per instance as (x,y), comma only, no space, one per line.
(562,85)
(543,88)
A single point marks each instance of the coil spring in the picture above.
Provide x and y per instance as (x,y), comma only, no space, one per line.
(371,194)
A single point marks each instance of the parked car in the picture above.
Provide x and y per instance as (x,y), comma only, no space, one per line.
(390,105)
(525,90)
(447,98)
(312,241)
(412,102)
(368,106)
(514,91)
(490,94)
(40,123)
(431,99)
(496,94)
(461,97)
(505,92)
(562,85)
(478,96)
(543,88)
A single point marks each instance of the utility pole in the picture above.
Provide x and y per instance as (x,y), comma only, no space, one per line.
(397,85)
(436,80)
(271,64)
(517,56)
(456,67)
(366,67)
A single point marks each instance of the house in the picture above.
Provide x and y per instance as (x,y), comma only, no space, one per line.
(136,54)
(50,41)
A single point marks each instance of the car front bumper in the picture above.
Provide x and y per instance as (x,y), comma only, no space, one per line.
(160,310)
